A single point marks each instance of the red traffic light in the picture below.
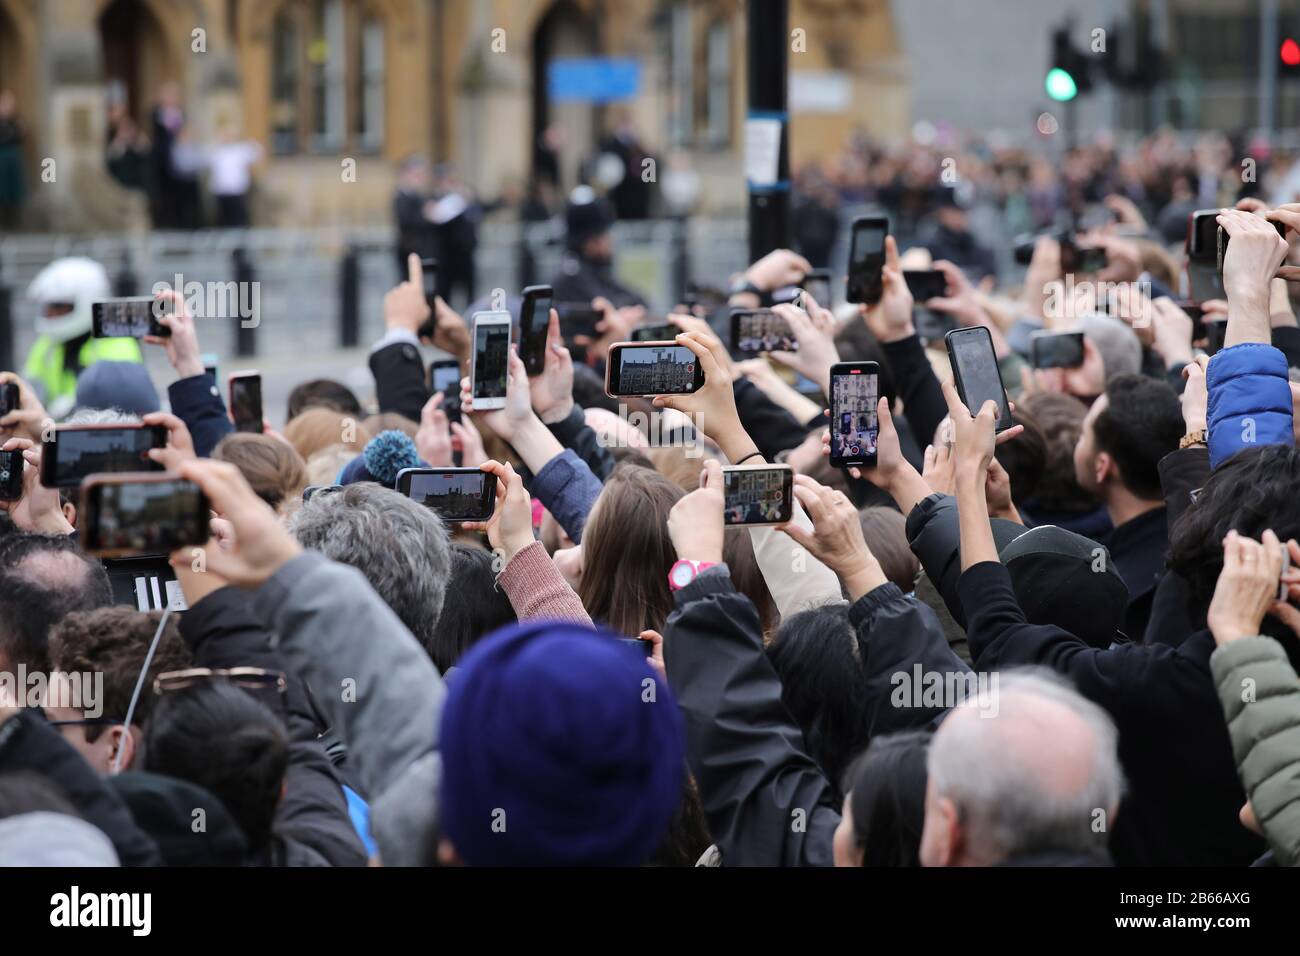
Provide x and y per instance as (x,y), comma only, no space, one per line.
(1290,52)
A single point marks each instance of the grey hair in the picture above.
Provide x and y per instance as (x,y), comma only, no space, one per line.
(101,416)
(1120,349)
(401,547)
(1002,771)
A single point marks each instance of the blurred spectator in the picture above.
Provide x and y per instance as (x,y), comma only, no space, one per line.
(13,187)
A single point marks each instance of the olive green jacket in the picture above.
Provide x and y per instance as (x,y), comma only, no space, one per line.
(1260,694)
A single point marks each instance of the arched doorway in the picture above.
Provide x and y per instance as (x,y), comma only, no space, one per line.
(134,55)
(564,31)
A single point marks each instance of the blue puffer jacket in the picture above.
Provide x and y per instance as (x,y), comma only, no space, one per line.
(1249,400)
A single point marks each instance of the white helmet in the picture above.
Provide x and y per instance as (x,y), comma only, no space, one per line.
(76,281)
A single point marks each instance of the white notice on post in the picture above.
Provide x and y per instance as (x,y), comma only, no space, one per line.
(762,151)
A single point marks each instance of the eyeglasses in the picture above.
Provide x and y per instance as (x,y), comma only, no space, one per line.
(249,678)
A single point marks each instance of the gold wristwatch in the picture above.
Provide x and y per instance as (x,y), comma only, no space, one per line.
(1192,438)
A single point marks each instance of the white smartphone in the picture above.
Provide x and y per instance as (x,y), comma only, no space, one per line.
(490,370)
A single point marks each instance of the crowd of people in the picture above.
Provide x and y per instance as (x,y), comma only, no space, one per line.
(1072,642)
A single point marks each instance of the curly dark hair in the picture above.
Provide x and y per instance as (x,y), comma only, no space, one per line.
(114,641)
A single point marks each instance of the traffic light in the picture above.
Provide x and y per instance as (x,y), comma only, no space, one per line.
(1288,55)
(1068,75)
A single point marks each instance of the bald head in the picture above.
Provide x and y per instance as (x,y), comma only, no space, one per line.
(1037,774)
(42,579)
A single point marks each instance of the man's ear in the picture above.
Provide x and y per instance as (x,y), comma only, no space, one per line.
(120,737)
(1104,468)
(447,855)
(949,847)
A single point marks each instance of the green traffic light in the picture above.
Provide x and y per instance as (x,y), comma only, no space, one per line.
(1060,85)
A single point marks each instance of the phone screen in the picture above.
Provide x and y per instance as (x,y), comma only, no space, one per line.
(533,318)
(1202,234)
(144,517)
(132,318)
(80,451)
(1057,350)
(491,359)
(655,333)
(246,403)
(10,398)
(760,495)
(761,330)
(866,258)
(457,495)
(11,475)
(653,369)
(855,393)
(975,370)
(445,377)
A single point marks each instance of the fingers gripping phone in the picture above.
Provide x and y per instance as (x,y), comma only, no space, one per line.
(246,401)
(866,259)
(534,316)
(855,425)
(757,494)
(133,317)
(132,514)
(457,494)
(975,372)
(652,368)
(490,371)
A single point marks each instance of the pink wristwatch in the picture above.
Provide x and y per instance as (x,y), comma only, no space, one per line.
(683,572)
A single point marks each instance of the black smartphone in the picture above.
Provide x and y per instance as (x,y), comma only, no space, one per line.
(312,490)
(754,331)
(534,315)
(457,494)
(246,401)
(931,325)
(81,450)
(1202,239)
(131,318)
(1196,314)
(1076,258)
(855,422)
(652,368)
(429,278)
(925,284)
(444,376)
(757,494)
(132,514)
(10,398)
(655,333)
(11,475)
(866,259)
(638,646)
(1215,331)
(578,318)
(1056,349)
(1222,244)
(975,371)
(818,285)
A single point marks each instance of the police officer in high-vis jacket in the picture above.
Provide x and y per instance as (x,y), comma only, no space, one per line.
(63,292)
